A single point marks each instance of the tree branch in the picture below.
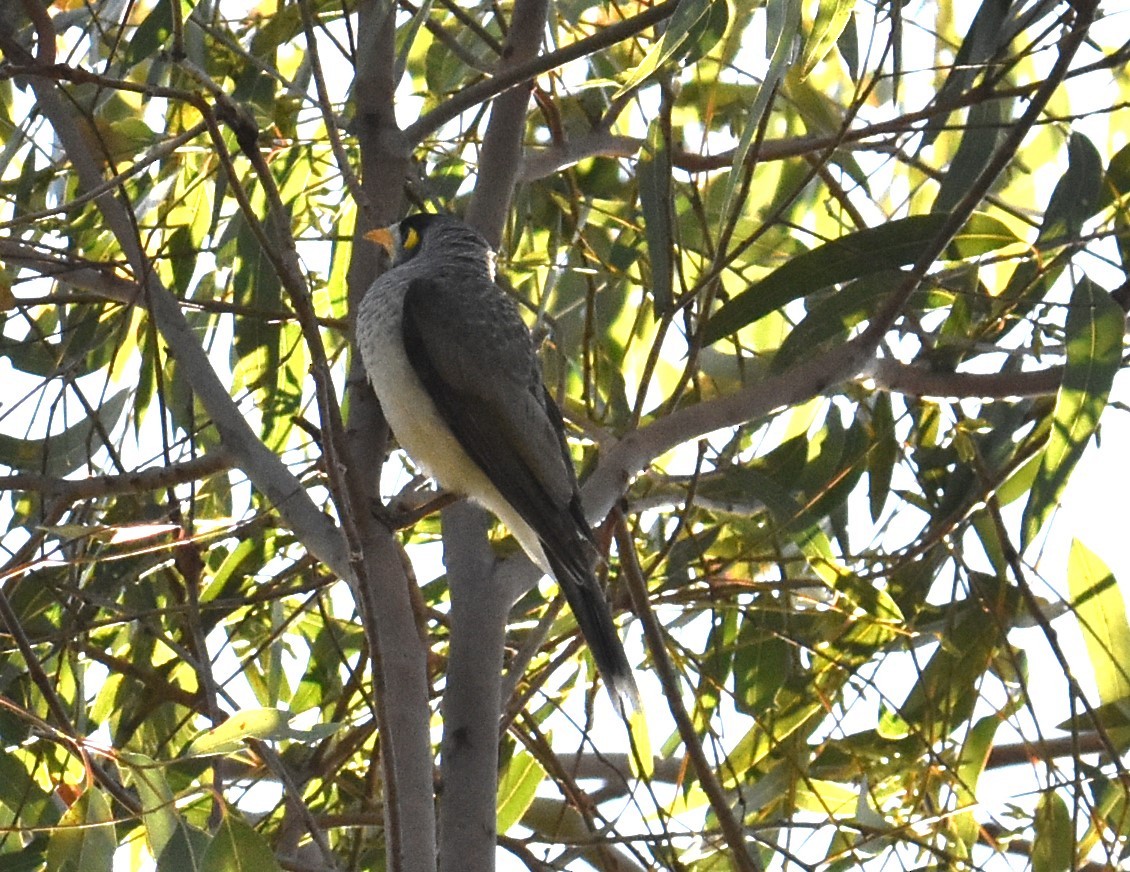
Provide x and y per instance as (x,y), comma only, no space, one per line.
(399,657)
(732,828)
(84,275)
(266,471)
(159,477)
(482,91)
(472,704)
(502,145)
(472,698)
(919,381)
(624,460)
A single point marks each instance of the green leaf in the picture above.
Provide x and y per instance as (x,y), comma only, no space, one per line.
(971,762)
(407,37)
(1053,848)
(791,712)
(32,353)
(262,723)
(1094,331)
(981,42)
(863,253)
(882,455)
(831,316)
(158,810)
(151,35)
(184,852)
(1019,483)
(177,846)
(1116,186)
(1077,194)
(1097,602)
(1076,197)
(256,285)
(1116,180)
(745,485)
(832,17)
(1112,717)
(18,787)
(249,553)
(517,788)
(947,688)
(236,847)
(878,605)
(830,476)
(28,859)
(782,31)
(707,32)
(763,661)
(983,132)
(84,840)
(848,44)
(654,172)
(891,725)
(556,818)
(65,452)
(687,15)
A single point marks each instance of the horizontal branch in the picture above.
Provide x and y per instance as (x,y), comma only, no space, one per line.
(541,162)
(919,381)
(616,768)
(56,264)
(632,454)
(111,485)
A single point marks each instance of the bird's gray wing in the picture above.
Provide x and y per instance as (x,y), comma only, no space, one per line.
(476,360)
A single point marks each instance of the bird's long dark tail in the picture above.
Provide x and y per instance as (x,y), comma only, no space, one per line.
(594,617)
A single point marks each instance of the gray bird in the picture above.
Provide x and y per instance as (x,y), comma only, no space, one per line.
(456,372)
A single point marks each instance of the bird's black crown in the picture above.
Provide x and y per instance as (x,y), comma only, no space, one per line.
(420,222)
(412,230)
(451,236)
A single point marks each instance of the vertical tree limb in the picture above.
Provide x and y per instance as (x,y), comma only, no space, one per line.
(501,155)
(400,659)
(479,605)
(472,695)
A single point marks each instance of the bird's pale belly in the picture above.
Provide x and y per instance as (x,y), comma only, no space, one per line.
(422,431)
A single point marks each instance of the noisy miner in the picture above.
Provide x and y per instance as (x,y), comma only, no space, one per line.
(456,372)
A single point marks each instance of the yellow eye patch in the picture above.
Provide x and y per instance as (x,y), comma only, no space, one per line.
(411,239)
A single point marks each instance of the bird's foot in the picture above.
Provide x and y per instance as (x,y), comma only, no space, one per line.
(407,508)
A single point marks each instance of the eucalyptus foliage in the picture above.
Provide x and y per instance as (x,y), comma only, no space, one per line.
(833,296)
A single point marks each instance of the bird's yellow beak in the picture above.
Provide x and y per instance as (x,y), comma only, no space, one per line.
(383,237)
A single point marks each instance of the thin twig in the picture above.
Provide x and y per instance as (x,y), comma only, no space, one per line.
(127,483)
(732,829)
(480,92)
(325,106)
